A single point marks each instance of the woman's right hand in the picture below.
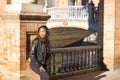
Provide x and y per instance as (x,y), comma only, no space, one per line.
(42,69)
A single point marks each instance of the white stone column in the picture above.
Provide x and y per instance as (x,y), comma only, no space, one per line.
(21,1)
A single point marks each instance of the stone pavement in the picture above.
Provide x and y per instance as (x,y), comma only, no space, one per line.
(98,75)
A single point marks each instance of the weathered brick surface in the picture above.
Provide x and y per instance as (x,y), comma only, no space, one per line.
(109,32)
(2,6)
(13,35)
(117,35)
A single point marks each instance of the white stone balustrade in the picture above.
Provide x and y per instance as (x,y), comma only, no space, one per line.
(69,12)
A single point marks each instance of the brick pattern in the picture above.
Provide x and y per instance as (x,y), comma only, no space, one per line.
(111,34)
(13,43)
(2,6)
(117,35)
(10,53)
(109,30)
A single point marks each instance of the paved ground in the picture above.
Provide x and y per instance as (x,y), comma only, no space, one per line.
(98,75)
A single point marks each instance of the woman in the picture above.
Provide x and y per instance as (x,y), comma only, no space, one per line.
(40,53)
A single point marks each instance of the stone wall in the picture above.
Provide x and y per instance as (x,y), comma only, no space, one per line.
(109,30)
(10,57)
(2,6)
(111,34)
(14,30)
(117,35)
(3,43)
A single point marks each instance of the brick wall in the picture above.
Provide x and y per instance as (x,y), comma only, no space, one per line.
(117,35)
(13,35)
(11,50)
(109,30)
(2,6)
(3,43)
(111,34)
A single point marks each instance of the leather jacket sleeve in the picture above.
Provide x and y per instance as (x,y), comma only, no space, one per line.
(33,53)
(48,53)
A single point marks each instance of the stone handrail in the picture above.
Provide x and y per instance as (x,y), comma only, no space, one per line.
(74,58)
(69,12)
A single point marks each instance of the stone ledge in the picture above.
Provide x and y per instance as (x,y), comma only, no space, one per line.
(16,17)
(34,17)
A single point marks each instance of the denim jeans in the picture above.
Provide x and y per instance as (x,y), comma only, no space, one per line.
(43,75)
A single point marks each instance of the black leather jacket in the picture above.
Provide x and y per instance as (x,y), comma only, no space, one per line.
(39,52)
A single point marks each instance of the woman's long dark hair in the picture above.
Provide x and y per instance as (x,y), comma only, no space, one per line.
(45,40)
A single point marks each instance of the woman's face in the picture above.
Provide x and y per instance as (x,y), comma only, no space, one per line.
(42,33)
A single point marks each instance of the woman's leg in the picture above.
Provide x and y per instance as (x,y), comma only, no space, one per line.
(43,75)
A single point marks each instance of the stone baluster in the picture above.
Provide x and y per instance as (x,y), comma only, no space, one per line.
(73,56)
(91,53)
(54,64)
(62,62)
(80,59)
(76,60)
(67,62)
(92,58)
(71,61)
(88,58)
(85,59)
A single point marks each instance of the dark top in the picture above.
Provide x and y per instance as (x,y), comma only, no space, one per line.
(39,52)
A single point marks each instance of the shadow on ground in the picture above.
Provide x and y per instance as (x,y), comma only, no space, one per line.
(87,76)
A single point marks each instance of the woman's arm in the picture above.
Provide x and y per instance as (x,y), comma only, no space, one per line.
(33,53)
(48,53)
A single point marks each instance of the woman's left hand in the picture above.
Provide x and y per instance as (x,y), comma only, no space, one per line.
(42,69)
